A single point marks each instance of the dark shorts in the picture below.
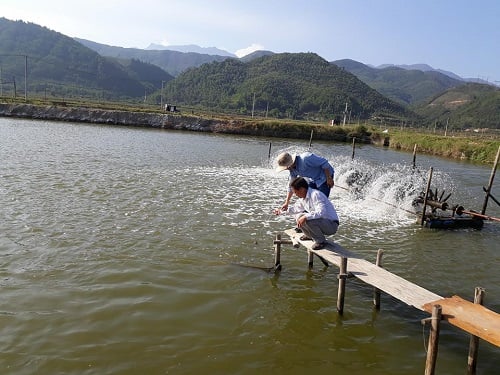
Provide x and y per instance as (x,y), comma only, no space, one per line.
(324,188)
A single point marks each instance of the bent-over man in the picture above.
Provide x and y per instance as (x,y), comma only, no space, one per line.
(318,171)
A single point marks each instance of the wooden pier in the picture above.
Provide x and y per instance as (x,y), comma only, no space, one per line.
(470,317)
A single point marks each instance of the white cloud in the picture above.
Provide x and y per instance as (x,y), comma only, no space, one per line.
(248,50)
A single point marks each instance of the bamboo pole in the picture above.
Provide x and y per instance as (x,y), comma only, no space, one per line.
(490,184)
(474,340)
(425,197)
(342,281)
(432,349)
(376,291)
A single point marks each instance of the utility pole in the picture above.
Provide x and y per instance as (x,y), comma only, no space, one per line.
(253,104)
(25,78)
(161,95)
(345,113)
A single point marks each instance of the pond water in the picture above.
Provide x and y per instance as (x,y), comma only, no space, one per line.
(121,252)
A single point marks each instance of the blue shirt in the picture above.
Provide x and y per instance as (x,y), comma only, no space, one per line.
(312,167)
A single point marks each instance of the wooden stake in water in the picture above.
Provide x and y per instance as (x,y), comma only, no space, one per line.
(474,340)
(426,195)
(311,139)
(342,280)
(432,349)
(353,147)
(277,252)
(414,155)
(376,291)
(490,184)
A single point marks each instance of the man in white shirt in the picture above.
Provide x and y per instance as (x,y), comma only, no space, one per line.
(314,213)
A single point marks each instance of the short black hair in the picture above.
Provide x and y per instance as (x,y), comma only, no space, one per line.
(299,182)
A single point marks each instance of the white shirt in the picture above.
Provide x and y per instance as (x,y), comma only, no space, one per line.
(315,205)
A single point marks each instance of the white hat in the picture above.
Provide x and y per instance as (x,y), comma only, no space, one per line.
(285,160)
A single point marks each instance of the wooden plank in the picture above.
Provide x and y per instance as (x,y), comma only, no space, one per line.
(470,317)
(396,286)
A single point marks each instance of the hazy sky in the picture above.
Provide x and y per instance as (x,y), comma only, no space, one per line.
(461,36)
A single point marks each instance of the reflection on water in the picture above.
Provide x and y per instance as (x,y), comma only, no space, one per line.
(119,245)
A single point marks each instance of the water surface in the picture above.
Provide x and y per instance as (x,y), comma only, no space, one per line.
(119,253)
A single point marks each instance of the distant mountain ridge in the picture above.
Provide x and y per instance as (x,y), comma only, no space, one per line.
(173,62)
(428,68)
(403,85)
(191,48)
(422,67)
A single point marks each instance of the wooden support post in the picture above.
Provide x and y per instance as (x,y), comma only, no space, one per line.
(342,280)
(422,220)
(474,340)
(353,147)
(311,139)
(490,184)
(269,153)
(376,291)
(432,348)
(323,260)
(310,258)
(277,252)
(414,155)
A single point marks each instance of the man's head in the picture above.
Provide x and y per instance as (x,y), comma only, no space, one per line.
(299,186)
(285,161)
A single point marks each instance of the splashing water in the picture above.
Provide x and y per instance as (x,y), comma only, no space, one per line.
(367,191)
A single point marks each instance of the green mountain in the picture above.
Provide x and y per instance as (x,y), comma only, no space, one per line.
(402,85)
(173,62)
(472,105)
(48,62)
(300,85)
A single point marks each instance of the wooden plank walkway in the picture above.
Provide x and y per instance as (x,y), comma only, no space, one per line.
(472,318)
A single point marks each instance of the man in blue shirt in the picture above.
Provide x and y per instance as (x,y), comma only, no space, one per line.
(314,213)
(317,169)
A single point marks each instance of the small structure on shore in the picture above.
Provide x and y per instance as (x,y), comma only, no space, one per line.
(171,108)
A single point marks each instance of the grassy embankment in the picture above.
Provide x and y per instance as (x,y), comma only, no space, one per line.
(474,147)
